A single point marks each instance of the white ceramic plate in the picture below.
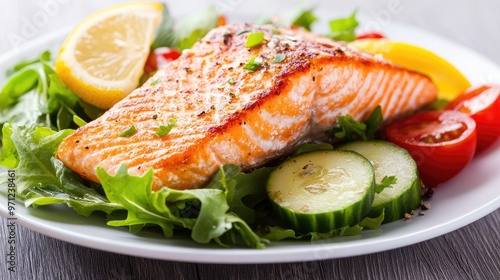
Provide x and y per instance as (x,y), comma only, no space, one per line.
(467,198)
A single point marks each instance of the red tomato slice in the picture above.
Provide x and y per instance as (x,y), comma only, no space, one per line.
(370,35)
(221,21)
(442,143)
(160,57)
(483,105)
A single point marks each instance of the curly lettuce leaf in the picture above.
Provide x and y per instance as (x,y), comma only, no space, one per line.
(238,185)
(40,178)
(163,208)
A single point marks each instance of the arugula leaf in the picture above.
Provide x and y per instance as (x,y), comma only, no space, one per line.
(373,122)
(194,27)
(342,29)
(145,207)
(35,95)
(386,182)
(19,83)
(305,19)
(299,17)
(348,129)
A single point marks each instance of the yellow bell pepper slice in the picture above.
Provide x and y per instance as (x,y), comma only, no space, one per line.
(448,79)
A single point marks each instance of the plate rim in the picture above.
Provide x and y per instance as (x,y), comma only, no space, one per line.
(246,256)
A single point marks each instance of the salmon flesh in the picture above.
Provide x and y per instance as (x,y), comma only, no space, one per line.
(228,114)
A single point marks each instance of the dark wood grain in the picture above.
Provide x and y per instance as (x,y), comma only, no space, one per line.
(472,252)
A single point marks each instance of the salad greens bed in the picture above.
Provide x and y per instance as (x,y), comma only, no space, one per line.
(37,111)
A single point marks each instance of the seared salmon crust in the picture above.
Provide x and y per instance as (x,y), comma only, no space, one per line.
(228,114)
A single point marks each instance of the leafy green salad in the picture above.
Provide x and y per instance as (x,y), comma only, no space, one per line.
(37,111)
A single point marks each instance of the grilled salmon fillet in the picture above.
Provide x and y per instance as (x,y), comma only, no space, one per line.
(228,114)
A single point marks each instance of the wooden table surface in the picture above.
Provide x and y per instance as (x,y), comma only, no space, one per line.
(471,252)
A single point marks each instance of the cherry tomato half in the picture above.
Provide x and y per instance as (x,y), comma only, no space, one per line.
(483,105)
(442,143)
(370,35)
(221,21)
(159,57)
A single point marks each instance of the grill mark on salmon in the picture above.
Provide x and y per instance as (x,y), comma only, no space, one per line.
(264,115)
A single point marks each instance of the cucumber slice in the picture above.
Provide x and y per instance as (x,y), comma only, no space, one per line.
(390,160)
(322,190)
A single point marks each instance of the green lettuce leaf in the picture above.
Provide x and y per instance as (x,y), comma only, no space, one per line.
(164,208)
(40,178)
(192,28)
(165,34)
(34,94)
(8,154)
(343,29)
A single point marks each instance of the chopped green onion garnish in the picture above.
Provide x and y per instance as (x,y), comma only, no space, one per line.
(153,83)
(243,31)
(128,132)
(165,129)
(79,121)
(252,65)
(231,81)
(279,58)
(254,39)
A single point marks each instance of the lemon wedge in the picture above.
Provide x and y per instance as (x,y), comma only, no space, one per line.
(103,57)
(448,79)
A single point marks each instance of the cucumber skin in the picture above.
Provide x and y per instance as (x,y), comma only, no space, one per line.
(326,222)
(396,209)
